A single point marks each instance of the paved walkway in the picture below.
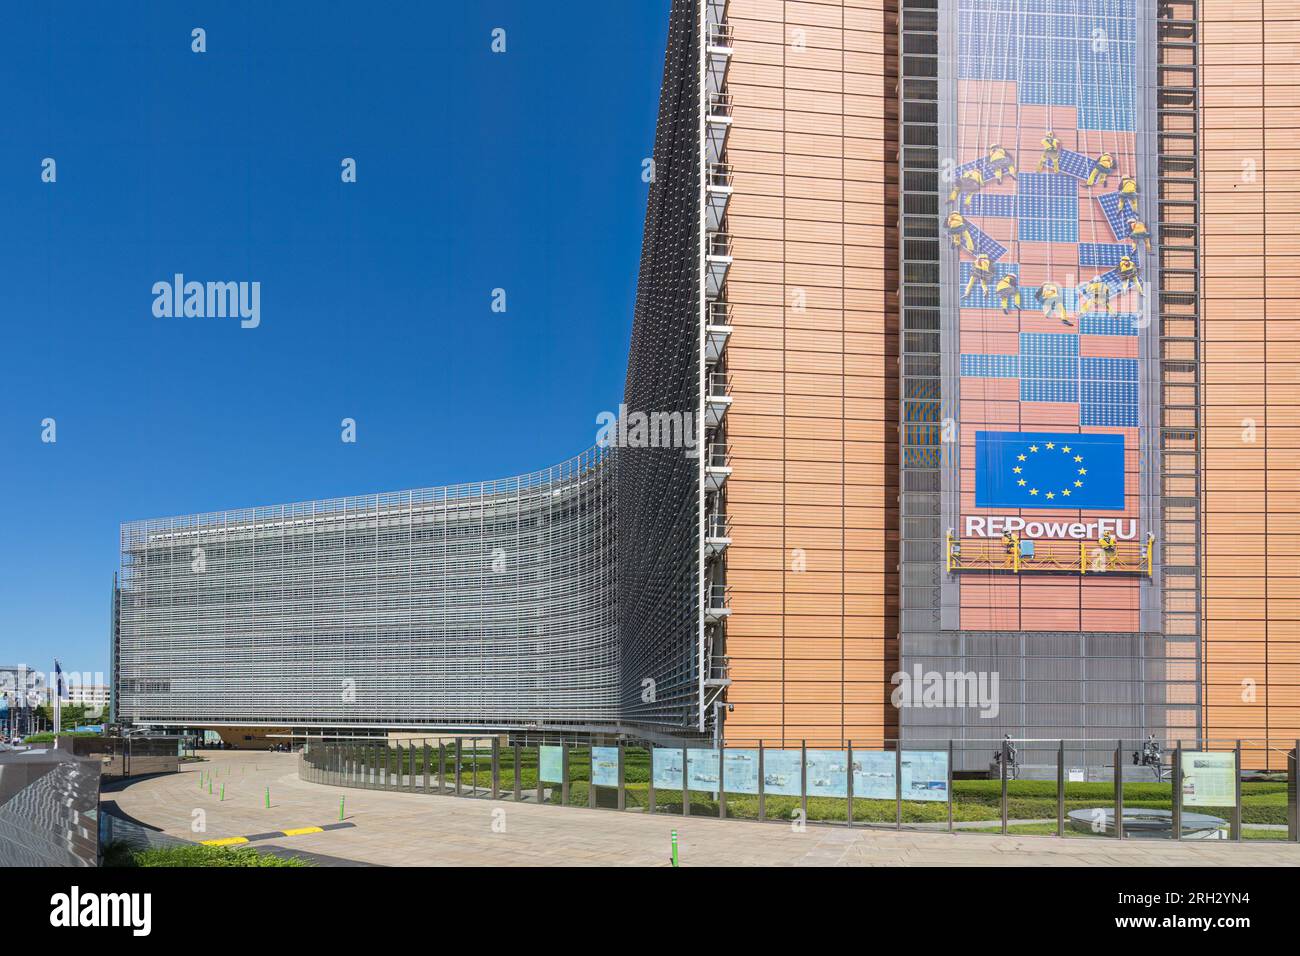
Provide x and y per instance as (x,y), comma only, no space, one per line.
(398,829)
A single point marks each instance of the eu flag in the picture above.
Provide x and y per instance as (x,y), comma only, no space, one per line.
(1049,470)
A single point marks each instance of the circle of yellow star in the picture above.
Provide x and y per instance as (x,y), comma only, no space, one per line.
(1083,471)
(1033,491)
(1021,481)
(1033,448)
(1051,494)
(1065,492)
(1015,470)
(1051,445)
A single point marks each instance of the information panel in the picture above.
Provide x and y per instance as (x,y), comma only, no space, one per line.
(925,775)
(1209,778)
(702,770)
(604,766)
(668,769)
(782,773)
(828,773)
(741,768)
(550,764)
(874,776)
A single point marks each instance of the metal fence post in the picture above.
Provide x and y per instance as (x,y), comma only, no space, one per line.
(519,795)
(686,793)
(496,767)
(1236,803)
(848,784)
(722,783)
(950,755)
(1119,790)
(1293,793)
(591,776)
(457,758)
(762,797)
(410,751)
(622,781)
(541,787)
(428,755)
(650,794)
(898,785)
(803,780)
(564,773)
(1060,790)
(442,766)
(1002,772)
(1176,783)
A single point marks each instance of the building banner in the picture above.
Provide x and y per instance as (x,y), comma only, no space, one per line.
(782,773)
(874,775)
(828,773)
(741,768)
(550,764)
(925,775)
(1209,779)
(604,766)
(668,770)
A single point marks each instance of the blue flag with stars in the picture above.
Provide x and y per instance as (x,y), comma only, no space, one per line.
(1049,470)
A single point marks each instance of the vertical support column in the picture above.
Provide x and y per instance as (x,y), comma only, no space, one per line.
(1293,794)
(410,759)
(428,755)
(442,766)
(762,790)
(1119,790)
(591,776)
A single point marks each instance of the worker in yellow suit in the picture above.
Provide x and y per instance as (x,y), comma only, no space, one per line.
(1128,193)
(1108,545)
(1000,162)
(1096,296)
(1129,274)
(1049,297)
(981,269)
(970,182)
(1051,153)
(1102,167)
(959,232)
(1137,230)
(1008,290)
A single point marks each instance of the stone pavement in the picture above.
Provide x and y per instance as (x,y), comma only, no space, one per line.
(404,829)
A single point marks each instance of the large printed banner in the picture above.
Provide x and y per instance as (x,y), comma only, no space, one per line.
(1048,266)
(550,764)
(604,766)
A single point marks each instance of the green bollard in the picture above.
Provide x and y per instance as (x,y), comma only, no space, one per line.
(675,863)
(209,785)
(223,793)
(341,799)
(268,798)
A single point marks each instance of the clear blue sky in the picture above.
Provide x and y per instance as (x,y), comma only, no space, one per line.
(475,171)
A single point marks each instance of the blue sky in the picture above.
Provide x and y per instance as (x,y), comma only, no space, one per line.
(475,171)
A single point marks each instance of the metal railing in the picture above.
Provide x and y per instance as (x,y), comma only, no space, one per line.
(1110,788)
(1022,556)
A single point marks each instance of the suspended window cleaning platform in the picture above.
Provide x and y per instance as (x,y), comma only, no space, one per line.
(1025,556)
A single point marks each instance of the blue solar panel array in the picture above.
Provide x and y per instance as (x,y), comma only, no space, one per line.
(1049,367)
(999,207)
(1079,54)
(1104,254)
(1118,220)
(990,366)
(1123,323)
(1048,208)
(1109,392)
